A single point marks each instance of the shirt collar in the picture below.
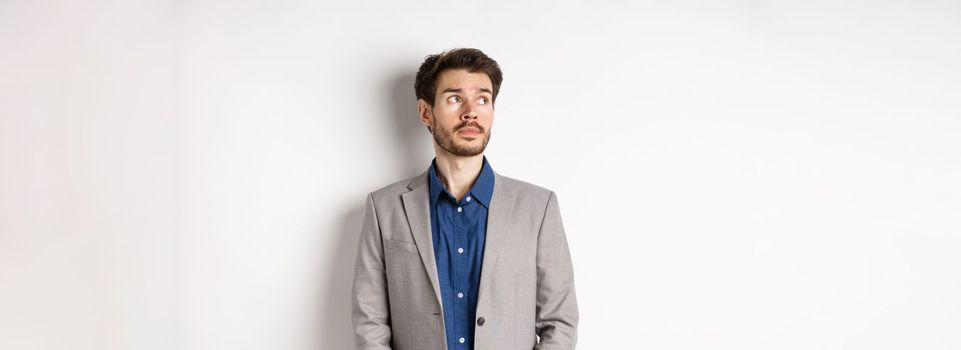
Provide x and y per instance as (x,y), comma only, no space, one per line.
(482,191)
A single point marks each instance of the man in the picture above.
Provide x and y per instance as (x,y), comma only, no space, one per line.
(461,257)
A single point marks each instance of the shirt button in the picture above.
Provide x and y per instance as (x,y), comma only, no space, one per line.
(460,250)
(468,198)
(459,209)
(480,321)
(462,340)
(460,295)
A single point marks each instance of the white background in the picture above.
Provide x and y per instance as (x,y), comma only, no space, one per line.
(732,174)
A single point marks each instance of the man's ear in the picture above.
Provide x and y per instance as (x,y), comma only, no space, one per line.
(425,113)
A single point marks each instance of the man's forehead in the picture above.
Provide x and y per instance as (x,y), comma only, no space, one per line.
(463,80)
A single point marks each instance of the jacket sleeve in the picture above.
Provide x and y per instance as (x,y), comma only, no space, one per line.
(370,308)
(556,314)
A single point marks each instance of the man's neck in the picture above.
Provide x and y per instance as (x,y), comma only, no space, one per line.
(458,173)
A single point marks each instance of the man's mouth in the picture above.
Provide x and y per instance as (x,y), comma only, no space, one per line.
(469,131)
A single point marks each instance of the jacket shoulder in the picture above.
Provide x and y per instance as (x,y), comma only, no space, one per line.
(395,189)
(523,188)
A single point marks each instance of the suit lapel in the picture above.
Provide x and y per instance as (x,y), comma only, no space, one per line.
(416,206)
(501,207)
(499,218)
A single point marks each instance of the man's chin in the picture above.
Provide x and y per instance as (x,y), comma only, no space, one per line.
(468,152)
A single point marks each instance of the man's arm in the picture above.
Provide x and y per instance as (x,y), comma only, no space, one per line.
(370,309)
(556,314)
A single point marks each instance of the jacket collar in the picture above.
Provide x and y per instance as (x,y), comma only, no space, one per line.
(499,217)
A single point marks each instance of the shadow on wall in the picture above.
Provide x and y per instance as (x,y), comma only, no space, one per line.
(338,333)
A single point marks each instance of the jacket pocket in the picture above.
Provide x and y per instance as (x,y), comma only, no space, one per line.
(400,246)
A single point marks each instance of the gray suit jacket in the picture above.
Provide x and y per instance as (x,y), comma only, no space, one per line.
(527,279)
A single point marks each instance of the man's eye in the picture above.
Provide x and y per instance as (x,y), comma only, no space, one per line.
(453,99)
(482,100)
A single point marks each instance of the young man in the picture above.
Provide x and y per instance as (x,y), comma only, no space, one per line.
(461,257)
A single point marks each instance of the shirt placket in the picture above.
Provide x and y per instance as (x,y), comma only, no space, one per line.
(461,264)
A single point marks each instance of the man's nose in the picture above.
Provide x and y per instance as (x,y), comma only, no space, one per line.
(470,112)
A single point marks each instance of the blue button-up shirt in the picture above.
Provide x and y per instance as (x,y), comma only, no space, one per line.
(459,230)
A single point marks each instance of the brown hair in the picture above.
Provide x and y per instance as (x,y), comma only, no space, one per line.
(425,84)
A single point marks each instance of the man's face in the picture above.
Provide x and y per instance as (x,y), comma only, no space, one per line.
(463,112)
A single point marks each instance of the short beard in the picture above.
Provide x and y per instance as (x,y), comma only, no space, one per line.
(445,140)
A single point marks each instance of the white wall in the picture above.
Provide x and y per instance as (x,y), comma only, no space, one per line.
(732,175)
